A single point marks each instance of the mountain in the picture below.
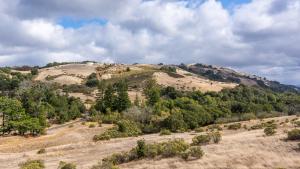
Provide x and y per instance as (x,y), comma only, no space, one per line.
(229,75)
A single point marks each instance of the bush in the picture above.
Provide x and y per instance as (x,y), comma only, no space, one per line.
(196,152)
(234,126)
(185,155)
(125,128)
(166,149)
(92,125)
(41,151)
(199,130)
(174,147)
(201,140)
(215,127)
(64,165)
(256,126)
(269,131)
(141,148)
(101,137)
(110,118)
(294,134)
(129,127)
(165,132)
(215,136)
(297,123)
(32,164)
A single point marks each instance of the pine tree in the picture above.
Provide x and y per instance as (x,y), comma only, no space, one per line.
(122,102)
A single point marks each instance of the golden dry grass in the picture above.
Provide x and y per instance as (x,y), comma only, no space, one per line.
(238,149)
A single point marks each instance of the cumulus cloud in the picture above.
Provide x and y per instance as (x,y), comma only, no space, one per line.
(261,37)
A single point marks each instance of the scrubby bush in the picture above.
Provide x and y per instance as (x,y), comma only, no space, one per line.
(111,117)
(64,165)
(296,123)
(124,128)
(196,152)
(199,130)
(92,125)
(101,137)
(41,151)
(269,131)
(256,126)
(165,132)
(234,126)
(215,136)
(174,147)
(201,140)
(32,164)
(294,134)
(142,150)
(215,127)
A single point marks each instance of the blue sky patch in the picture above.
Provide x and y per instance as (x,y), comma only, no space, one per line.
(77,23)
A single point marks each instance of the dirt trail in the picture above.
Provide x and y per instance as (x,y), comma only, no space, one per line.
(238,149)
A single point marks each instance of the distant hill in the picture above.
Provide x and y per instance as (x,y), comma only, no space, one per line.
(223,74)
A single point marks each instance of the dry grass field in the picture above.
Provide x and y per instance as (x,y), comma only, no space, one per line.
(187,81)
(73,143)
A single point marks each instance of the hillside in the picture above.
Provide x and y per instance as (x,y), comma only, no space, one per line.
(237,149)
(136,75)
(229,75)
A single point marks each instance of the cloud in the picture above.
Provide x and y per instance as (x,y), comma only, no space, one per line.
(261,37)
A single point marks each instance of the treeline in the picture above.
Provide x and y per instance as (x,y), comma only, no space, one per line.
(35,108)
(167,108)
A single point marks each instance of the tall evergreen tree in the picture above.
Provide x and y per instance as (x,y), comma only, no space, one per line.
(122,102)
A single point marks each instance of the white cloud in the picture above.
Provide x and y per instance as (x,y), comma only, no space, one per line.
(261,37)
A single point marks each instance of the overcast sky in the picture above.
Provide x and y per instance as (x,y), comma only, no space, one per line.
(258,36)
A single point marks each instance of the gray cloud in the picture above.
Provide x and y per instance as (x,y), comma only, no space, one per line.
(261,37)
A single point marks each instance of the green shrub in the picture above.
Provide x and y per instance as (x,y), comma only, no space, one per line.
(185,155)
(215,127)
(234,126)
(165,132)
(101,137)
(199,130)
(215,136)
(111,117)
(129,128)
(41,151)
(269,131)
(294,134)
(256,126)
(297,123)
(174,147)
(166,149)
(117,158)
(32,164)
(64,165)
(196,152)
(141,148)
(201,140)
(125,128)
(92,125)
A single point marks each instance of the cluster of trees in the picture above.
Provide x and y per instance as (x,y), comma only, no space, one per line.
(10,81)
(32,109)
(113,97)
(167,108)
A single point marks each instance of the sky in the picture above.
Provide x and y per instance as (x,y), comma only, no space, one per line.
(256,36)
